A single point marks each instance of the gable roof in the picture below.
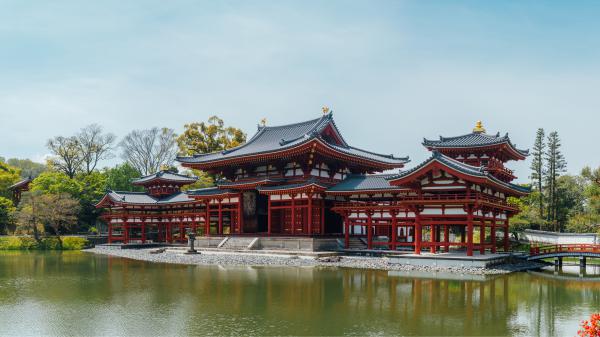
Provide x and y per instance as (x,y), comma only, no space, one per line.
(277,138)
(473,139)
(361,182)
(20,183)
(165,176)
(470,170)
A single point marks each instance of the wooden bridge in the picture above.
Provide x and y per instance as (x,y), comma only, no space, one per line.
(582,251)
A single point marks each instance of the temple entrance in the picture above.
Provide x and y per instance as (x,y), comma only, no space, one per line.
(262,213)
(255,212)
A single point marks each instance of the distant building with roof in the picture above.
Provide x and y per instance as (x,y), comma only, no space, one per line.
(18,188)
(304,179)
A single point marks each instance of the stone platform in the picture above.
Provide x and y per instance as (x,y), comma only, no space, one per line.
(451,259)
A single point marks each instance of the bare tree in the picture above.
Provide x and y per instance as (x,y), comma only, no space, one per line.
(66,155)
(94,146)
(149,150)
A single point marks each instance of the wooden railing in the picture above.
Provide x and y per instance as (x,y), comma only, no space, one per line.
(564,248)
(458,197)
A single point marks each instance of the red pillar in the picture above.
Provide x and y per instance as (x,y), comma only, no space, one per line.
(125,231)
(143,230)
(418,233)
(310,211)
(369,230)
(482,237)
(394,231)
(207,219)
(109,221)
(240,213)
(293,214)
(446,238)
(322,222)
(220,217)
(493,233)
(346,231)
(470,231)
(506,245)
(269,215)
(434,231)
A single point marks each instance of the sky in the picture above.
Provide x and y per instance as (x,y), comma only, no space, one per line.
(393,72)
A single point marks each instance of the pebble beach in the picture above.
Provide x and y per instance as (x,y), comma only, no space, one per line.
(254,259)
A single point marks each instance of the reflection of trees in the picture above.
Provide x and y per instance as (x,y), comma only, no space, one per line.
(77,293)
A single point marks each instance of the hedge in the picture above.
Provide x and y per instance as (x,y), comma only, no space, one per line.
(49,243)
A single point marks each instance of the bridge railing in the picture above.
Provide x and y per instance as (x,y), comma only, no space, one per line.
(543,249)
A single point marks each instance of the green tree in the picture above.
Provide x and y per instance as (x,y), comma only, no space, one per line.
(570,198)
(38,210)
(7,212)
(8,176)
(537,168)
(555,165)
(210,136)
(93,187)
(53,182)
(119,178)
(204,180)
(29,168)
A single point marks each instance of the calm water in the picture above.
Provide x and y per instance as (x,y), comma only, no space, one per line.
(84,294)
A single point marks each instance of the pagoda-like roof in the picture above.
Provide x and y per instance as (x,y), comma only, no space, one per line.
(274,139)
(474,139)
(210,191)
(466,169)
(363,183)
(165,176)
(20,183)
(142,198)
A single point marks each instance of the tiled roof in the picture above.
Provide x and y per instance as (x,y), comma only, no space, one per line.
(209,191)
(461,167)
(360,182)
(165,175)
(257,180)
(143,198)
(20,183)
(473,139)
(276,138)
(293,186)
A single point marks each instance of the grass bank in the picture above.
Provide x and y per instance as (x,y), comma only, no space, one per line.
(47,243)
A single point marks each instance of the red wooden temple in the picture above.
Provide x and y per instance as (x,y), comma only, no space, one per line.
(304,179)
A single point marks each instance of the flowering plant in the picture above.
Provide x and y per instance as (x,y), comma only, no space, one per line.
(591,327)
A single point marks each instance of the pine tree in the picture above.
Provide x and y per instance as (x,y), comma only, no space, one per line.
(537,167)
(555,165)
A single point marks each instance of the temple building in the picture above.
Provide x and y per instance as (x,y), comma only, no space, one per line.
(18,188)
(304,179)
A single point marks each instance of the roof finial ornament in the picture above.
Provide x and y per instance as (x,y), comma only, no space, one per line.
(263,122)
(478,127)
(325,110)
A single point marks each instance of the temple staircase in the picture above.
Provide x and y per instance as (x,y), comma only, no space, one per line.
(354,244)
(238,243)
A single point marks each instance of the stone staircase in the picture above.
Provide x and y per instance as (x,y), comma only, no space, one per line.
(354,244)
(238,243)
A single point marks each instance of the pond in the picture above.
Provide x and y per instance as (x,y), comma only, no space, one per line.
(78,293)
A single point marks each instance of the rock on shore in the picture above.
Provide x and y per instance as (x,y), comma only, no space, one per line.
(253,259)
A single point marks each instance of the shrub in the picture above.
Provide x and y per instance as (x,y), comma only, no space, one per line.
(50,243)
(17,243)
(74,243)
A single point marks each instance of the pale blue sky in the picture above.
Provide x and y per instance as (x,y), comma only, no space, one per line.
(392,71)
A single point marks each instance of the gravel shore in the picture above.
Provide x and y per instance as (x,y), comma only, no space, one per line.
(250,259)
